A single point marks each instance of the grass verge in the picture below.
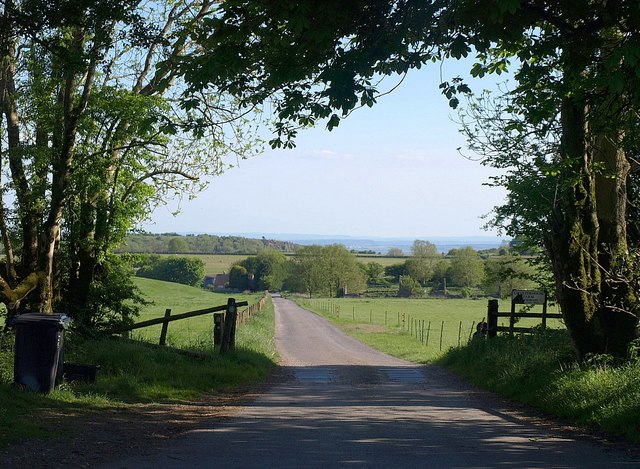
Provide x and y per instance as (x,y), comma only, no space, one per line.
(133,373)
(540,370)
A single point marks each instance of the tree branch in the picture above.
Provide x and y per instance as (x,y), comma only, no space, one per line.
(151,174)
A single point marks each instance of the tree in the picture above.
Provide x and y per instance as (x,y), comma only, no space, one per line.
(93,137)
(185,270)
(395,252)
(506,273)
(328,270)
(238,278)
(422,264)
(575,64)
(178,245)
(307,274)
(440,274)
(374,271)
(271,270)
(409,287)
(396,270)
(342,272)
(467,267)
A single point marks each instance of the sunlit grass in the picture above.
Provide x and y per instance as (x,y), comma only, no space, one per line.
(419,330)
(132,373)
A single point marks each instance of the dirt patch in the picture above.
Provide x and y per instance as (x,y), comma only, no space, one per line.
(370,328)
(88,438)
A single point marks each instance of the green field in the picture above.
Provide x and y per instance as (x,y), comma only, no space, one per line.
(384,260)
(214,263)
(431,325)
(220,263)
(191,332)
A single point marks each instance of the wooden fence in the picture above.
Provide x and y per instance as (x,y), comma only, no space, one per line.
(493,314)
(436,334)
(226,319)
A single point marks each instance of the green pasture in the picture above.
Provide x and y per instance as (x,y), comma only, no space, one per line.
(383,260)
(186,333)
(220,263)
(414,329)
(214,263)
(132,373)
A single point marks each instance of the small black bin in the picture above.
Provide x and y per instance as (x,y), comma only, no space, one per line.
(39,355)
(80,372)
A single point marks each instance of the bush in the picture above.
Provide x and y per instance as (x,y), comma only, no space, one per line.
(184,270)
(238,278)
(410,287)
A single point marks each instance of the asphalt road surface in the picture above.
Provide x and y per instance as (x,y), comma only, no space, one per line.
(342,404)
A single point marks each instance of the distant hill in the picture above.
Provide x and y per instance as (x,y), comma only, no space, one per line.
(163,243)
(381,244)
(252,243)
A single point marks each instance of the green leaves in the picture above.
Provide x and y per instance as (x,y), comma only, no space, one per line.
(459,47)
(450,90)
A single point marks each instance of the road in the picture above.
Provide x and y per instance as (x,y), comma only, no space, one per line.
(342,404)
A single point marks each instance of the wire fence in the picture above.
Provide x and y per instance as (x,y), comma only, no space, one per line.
(431,331)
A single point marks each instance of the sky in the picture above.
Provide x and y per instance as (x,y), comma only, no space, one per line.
(393,170)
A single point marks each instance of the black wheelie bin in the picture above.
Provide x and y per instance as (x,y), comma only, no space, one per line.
(39,354)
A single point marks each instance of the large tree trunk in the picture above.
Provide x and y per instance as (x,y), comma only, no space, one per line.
(587,243)
(573,244)
(618,306)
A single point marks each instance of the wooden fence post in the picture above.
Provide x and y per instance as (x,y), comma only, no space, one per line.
(229,332)
(492,318)
(218,328)
(165,326)
(544,312)
(512,318)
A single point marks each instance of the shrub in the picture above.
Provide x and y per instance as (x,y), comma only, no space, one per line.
(184,270)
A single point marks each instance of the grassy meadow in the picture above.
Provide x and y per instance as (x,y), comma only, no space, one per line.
(220,263)
(187,333)
(419,330)
(133,373)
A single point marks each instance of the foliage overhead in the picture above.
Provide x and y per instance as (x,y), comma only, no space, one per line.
(571,118)
(95,134)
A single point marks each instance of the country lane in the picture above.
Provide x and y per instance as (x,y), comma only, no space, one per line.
(340,403)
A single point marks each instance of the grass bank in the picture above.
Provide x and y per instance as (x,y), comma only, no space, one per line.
(133,373)
(540,370)
(536,369)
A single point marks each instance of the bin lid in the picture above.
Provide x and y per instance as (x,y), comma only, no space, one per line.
(60,320)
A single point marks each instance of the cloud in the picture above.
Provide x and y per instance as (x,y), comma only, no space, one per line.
(332,155)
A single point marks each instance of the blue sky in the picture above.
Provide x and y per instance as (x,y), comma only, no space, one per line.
(392,170)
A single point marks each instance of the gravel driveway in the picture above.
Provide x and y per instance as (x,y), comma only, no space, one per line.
(341,404)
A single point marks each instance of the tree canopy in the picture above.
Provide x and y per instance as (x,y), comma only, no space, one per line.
(96,130)
(573,111)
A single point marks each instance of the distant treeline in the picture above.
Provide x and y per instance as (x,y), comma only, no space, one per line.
(200,244)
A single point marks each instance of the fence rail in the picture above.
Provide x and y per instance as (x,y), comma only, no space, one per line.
(493,314)
(436,334)
(229,317)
